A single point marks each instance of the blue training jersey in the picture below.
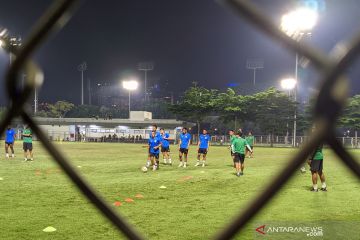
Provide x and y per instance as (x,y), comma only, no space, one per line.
(204,141)
(165,142)
(10,136)
(185,139)
(153,142)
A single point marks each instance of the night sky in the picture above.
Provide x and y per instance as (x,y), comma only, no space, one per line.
(188,40)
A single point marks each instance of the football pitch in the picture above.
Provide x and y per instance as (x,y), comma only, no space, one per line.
(196,203)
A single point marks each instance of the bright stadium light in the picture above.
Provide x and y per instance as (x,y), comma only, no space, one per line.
(130,85)
(299,21)
(1,43)
(288,83)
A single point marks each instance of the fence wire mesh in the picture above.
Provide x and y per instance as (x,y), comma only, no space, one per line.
(329,104)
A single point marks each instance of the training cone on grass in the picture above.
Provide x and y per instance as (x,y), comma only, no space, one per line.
(162,187)
(49,229)
(117,204)
(129,200)
(1,179)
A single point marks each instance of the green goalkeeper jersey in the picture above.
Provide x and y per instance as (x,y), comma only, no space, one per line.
(239,145)
(318,154)
(27,139)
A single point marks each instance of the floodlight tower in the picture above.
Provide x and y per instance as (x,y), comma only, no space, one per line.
(296,24)
(82,68)
(10,43)
(130,85)
(145,66)
(254,64)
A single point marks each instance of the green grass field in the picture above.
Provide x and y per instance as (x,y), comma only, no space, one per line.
(195,205)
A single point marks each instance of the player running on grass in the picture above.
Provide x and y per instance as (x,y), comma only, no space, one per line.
(184,143)
(250,140)
(203,147)
(27,144)
(165,146)
(239,145)
(9,141)
(154,150)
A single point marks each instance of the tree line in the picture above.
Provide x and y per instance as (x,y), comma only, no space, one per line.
(271,112)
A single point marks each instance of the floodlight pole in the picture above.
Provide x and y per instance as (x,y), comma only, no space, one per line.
(35,101)
(82,68)
(145,66)
(295,96)
(129,103)
(89,91)
(254,65)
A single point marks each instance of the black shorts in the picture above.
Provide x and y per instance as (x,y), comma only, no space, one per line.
(202,151)
(27,146)
(155,155)
(165,149)
(239,158)
(9,143)
(184,150)
(316,165)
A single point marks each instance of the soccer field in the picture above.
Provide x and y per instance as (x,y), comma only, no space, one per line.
(196,203)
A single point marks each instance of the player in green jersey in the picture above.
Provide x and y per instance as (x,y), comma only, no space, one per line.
(316,168)
(27,144)
(250,139)
(239,145)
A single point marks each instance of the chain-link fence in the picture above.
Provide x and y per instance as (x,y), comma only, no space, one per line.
(329,104)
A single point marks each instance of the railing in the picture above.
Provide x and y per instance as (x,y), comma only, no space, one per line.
(328,106)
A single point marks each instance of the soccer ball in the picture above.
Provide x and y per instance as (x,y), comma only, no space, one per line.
(144,169)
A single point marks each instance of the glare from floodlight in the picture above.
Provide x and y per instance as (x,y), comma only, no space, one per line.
(130,85)
(288,83)
(1,43)
(299,21)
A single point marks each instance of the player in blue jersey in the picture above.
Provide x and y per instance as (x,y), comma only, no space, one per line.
(184,144)
(157,134)
(165,146)
(203,147)
(154,149)
(9,141)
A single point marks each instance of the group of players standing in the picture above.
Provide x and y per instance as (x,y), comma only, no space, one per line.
(10,136)
(160,140)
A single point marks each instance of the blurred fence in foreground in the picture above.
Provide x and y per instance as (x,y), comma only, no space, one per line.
(328,107)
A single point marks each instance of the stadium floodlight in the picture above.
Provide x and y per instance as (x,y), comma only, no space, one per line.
(296,24)
(130,85)
(288,83)
(300,21)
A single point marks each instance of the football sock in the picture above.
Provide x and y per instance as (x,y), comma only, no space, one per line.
(323,185)
(315,186)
